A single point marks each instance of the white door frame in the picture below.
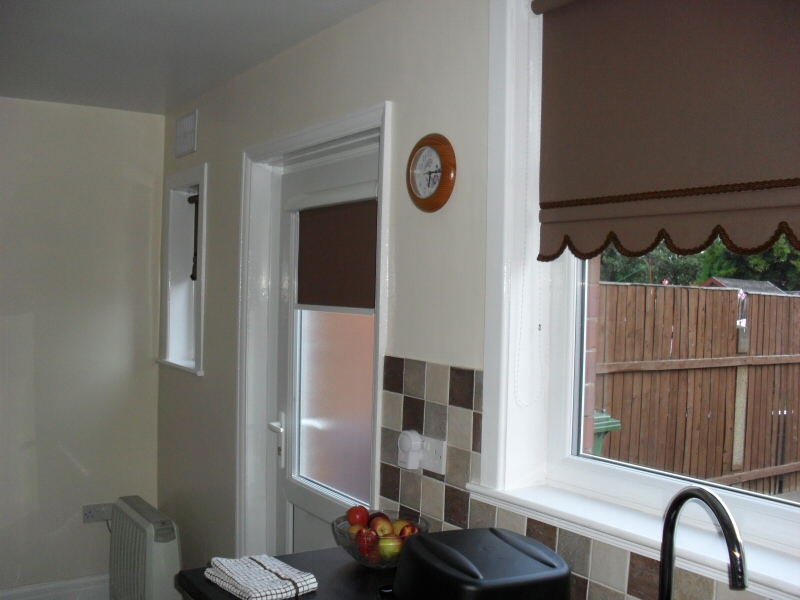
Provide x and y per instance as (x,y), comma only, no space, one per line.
(260,288)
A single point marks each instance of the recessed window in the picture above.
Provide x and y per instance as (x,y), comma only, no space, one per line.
(182,270)
(692,365)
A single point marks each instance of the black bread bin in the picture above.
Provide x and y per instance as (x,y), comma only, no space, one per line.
(479,564)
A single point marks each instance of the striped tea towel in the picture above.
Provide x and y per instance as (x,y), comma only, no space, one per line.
(260,577)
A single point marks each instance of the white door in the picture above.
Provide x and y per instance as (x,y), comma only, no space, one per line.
(326,390)
(297,359)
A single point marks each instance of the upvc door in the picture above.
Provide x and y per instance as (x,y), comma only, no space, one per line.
(327,360)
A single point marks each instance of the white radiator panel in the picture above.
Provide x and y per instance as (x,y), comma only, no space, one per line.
(145,552)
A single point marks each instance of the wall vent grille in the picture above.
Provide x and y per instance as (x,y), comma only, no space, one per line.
(186,134)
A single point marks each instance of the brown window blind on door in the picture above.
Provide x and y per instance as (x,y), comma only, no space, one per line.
(337,255)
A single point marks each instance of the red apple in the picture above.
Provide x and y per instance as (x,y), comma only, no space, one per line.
(367,541)
(358,515)
(382,526)
(408,530)
(389,546)
(353,530)
(372,515)
(398,525)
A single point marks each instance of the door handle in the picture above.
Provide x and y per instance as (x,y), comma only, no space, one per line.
(277,427)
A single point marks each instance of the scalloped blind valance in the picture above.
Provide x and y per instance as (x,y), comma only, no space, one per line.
(671,120)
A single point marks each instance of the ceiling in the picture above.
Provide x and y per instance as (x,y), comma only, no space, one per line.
(147,55)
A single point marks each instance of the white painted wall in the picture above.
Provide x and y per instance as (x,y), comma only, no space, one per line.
(430,59)
(80,197)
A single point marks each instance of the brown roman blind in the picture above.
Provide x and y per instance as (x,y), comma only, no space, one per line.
(337,255)
(672,120)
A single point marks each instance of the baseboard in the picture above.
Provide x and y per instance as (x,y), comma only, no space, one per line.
(86,588)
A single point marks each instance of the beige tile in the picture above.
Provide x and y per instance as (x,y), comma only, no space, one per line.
(432,501)
(458,471)
(475,468)
(435,421)
(691,586)
(392,411)
(449,527)
(414,378)
(478,398)
(723,592)
(575,549)
(437,383)
(459,427)
(512,521)
(389,439)
(481,514)
(609,565)
(434,525)
(410,489)
(386,504)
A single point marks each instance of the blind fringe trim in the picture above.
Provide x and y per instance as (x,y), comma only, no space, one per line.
(663,236)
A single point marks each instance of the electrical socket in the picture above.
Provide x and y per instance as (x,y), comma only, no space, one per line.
(97,512)
(434,455)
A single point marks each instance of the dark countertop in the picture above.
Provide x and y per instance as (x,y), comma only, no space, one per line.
(339,577)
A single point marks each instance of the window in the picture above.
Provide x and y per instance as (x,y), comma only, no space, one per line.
(183,270)
(691,365)
(531,452)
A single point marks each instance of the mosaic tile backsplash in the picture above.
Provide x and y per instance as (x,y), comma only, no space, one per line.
(446,403)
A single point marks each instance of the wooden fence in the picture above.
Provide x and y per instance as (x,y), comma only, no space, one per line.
(695,393)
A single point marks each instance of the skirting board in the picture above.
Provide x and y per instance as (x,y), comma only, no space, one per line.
(86,588)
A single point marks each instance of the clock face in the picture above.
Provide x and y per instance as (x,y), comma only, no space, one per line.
(426,171)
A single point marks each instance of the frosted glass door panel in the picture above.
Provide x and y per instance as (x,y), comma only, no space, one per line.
(335,400)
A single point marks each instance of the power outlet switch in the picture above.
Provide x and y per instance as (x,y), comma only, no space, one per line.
(97,512)
(434,455)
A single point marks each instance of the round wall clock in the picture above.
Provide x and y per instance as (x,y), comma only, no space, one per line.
(431,172)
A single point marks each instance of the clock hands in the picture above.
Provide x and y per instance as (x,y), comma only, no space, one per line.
(432,173)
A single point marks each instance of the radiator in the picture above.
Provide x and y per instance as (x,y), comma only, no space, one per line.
(145,552)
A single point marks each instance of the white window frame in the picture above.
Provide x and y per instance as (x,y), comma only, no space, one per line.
(181,338)
(531,342)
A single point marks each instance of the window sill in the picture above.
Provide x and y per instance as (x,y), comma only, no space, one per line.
(771,573)
(187,365)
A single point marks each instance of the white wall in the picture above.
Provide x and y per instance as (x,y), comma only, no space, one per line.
(80,196)
(430,58)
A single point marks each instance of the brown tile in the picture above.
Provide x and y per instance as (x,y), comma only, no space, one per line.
(393,374)
(643,577)
(575,549)
(413,413)
(414,378)
(433,475)
(408,513)
(390,482)
(481,514)
(435,420)
(578,587)
(477,428)
(542,532)
(462,385)
(456,506)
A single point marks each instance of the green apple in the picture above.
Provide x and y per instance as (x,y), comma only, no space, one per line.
(389,546)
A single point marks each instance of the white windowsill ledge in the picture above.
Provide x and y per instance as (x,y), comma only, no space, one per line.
(771,574)
(187,365)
